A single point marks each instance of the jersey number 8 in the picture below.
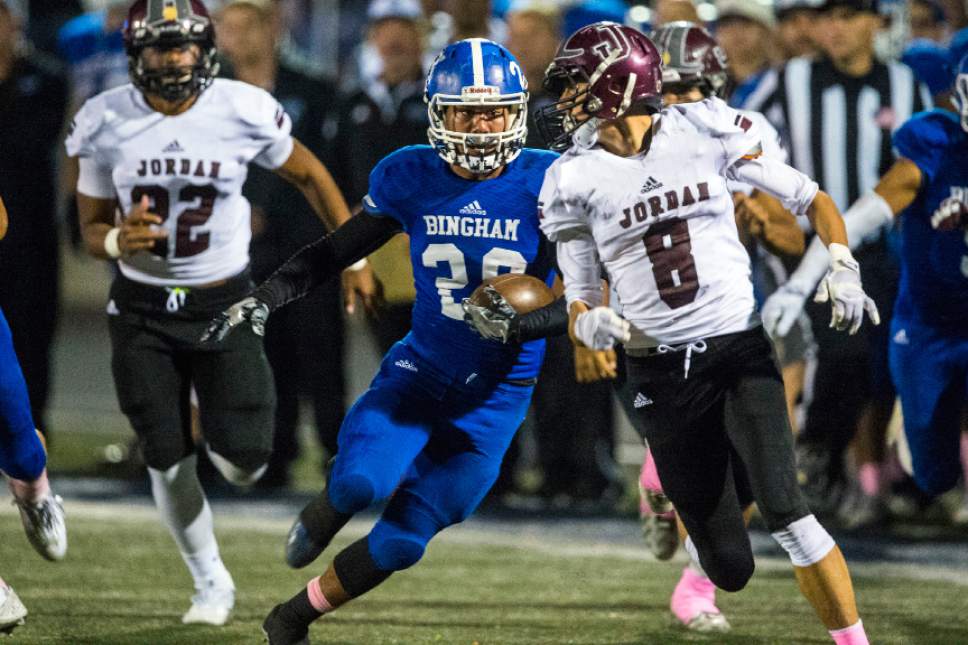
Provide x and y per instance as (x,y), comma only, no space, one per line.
(492,262)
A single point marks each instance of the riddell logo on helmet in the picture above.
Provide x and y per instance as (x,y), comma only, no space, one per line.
(479,90)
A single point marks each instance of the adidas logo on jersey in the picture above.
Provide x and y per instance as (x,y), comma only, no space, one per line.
(650,185)
(405,364)
(641,401)
(901,337)
(474,208)
(174,146)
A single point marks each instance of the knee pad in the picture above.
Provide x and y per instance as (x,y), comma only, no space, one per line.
(805,540)
(351,493)
(398,551)
(356,569)
(244,469)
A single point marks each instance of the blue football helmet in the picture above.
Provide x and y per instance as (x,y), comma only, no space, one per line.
(477,72)
(960,95)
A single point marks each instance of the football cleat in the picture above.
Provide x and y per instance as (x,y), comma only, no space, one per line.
(212,605)
(12,611)
(279,631)
(656,513)
(693,603)
(44,526)
(661,534)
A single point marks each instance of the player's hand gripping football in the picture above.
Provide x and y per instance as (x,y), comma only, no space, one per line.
(842,288)
(496,322)
(952,214)
(251,310)
(136,233)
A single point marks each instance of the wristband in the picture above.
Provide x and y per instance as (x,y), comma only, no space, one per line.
(840,255)
(359,265)
(111,246)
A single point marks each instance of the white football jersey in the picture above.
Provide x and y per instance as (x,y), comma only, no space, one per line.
(772,147)
(191,166)
(663,223)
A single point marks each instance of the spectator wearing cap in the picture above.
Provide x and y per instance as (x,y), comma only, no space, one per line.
(33,102)
(927,21)
(675,11)
(836,114)
(310,331)
(796,26)
(383,111)
(744,29)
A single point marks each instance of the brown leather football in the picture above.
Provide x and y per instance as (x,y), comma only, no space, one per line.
(524,293)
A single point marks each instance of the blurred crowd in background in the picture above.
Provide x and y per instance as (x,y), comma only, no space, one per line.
(350,74)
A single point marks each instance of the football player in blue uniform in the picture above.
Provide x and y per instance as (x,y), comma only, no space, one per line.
(928,187)
(430,432)
(23,460)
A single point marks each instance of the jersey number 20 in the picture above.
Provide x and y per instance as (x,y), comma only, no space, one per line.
(187,241)
(490,267)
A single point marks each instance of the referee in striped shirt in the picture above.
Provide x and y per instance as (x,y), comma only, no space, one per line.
(836,114)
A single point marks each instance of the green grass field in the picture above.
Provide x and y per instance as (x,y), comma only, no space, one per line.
(123,583)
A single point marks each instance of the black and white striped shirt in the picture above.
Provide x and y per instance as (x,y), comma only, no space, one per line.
(837,127)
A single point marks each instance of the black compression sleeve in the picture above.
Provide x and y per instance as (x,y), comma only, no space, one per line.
(317,262)
(550,320)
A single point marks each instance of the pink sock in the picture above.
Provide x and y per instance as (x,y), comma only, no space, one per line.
(693,595)
(853,635)
(316,597)
(869,476)
(31,492)
(649,477)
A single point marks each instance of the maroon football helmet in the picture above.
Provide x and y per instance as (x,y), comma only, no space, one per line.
(610,68)
(691,57)
(170,24)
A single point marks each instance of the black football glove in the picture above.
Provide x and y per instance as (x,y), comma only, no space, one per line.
(499,321)
(249,309)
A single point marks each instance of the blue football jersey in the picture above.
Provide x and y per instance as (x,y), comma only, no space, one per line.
(461,232)
(934,264)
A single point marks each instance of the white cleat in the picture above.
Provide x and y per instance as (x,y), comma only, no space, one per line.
(12,611)
(211,606)
(709,623)
(44,526)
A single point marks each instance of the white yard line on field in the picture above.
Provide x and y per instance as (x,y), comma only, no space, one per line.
(534,536)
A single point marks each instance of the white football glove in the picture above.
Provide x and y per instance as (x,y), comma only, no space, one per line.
(600,328)
(842,288)
(249,309)
(783,308)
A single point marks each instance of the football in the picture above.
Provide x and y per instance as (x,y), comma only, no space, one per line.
(524,293)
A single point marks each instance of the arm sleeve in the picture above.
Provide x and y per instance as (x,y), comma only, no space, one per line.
(793,188)
(579,265)
(271,129)
(94,180)
(864,221)
(325,258)
(550,320)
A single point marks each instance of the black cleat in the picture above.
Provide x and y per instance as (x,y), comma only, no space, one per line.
(301,547)
(280,631)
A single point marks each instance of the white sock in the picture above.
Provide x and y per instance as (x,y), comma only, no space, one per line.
(694,558)
(185,511)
